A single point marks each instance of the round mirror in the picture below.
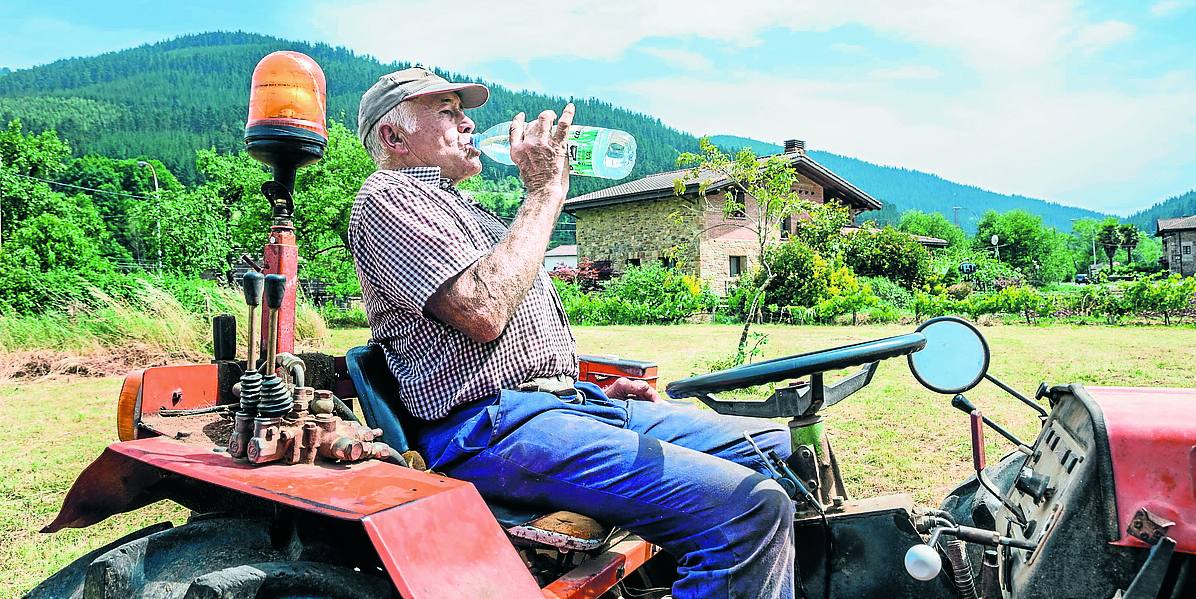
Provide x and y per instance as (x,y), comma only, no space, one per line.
(955,357)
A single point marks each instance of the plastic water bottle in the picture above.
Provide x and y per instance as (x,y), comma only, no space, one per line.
(593,151)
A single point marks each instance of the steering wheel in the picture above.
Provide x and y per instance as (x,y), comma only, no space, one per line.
(797,366)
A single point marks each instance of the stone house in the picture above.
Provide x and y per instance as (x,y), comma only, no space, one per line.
(1179,237)
(643,221)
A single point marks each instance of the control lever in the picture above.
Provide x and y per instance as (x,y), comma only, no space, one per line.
(923,562)
(251,379)
(964,405)
(977,424)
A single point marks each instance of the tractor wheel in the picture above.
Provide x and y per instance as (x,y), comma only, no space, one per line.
(212,558)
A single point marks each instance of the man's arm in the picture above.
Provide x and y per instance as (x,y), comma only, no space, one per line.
(482,298)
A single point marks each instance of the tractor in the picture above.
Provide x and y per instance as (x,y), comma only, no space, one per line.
(293,494)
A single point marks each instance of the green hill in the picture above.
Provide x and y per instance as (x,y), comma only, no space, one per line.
(166,100)
(1174,207)
(910,189)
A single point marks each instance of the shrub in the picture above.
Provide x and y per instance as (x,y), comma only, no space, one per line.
(845,295)
(643,295)
(889,292)
(800,278)
(1026,301)
(1164,296)
(888,253)
(990,273)
(338,318)
(588,274)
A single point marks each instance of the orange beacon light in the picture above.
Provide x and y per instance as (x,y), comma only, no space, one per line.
(287,126)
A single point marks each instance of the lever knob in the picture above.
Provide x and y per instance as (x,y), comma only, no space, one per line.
(253,284)
(963,404)
(276,286)
(923,562)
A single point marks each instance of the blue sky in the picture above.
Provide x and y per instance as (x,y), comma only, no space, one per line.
(1085,103)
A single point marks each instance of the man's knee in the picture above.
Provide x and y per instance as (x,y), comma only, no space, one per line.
(769,507)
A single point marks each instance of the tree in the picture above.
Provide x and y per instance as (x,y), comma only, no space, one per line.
(931,224)
(761,191)
(1130,235)
(1108,237)
(1037,251)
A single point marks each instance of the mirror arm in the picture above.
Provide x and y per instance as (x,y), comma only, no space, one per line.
(1022,398)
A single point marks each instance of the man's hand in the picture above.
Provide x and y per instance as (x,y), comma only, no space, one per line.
(481,300)
(538,149)
(625,388)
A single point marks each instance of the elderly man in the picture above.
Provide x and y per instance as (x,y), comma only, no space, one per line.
(481,347)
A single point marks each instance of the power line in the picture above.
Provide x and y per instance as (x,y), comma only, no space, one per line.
(115,193)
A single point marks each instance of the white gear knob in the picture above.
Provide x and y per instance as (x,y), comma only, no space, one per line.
(923,562)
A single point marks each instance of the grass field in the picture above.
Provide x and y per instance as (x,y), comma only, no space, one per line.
(893,436)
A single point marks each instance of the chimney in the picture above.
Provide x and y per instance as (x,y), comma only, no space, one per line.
(795,146)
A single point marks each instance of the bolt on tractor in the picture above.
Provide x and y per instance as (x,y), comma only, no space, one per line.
(292,494)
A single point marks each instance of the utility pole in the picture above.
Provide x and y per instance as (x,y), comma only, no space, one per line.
(157,209)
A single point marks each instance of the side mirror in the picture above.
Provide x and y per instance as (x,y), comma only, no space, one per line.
(955,358)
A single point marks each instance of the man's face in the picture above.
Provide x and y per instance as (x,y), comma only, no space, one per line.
(441,137)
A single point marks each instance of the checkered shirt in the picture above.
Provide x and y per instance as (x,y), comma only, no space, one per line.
(410,231)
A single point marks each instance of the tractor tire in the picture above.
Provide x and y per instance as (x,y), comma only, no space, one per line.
(205,559)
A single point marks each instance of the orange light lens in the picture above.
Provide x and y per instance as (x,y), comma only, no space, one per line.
(288,89)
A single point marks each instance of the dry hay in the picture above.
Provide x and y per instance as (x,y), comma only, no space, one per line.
(45,364)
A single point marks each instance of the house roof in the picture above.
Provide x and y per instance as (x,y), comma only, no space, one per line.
(561,250)
(1186,223)
(660,185)
(933,242)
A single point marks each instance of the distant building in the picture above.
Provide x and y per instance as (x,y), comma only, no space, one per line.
(644,221)
(561,254)
(1179,235)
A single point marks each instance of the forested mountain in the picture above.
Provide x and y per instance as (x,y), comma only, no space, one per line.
(910,189)
(1174,207)
(168,99)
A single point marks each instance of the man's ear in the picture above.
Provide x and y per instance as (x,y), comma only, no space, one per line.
(393,140)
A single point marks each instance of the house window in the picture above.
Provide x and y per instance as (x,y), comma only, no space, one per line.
(737,264)
(633,262)
(786,226)
(667,262)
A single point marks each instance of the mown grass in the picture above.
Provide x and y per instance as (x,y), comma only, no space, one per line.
(893,436)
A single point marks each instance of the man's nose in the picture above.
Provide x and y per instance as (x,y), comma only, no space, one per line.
(466,125)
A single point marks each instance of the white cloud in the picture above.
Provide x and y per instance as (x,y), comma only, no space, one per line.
(849,49)
(1099,36)
(471,32)
(1037,141)
(1016,122)
(913,72)
(684,59)
(1166,8)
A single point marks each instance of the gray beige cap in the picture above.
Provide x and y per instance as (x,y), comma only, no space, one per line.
(406,84)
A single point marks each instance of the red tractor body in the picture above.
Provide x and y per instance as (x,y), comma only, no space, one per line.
(1152,445)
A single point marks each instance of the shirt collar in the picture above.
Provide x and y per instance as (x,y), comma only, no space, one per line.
(427,174)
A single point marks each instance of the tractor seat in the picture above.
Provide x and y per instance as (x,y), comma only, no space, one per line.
(564,531)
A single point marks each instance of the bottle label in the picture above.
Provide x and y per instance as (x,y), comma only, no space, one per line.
(580,146)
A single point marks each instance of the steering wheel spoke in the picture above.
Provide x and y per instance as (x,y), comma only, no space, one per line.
(796,400)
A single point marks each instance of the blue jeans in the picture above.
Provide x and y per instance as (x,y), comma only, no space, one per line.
(680,477)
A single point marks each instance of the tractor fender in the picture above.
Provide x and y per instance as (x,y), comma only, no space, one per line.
(1152,444)
(434,535)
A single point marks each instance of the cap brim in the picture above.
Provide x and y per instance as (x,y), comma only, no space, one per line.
(472,94)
